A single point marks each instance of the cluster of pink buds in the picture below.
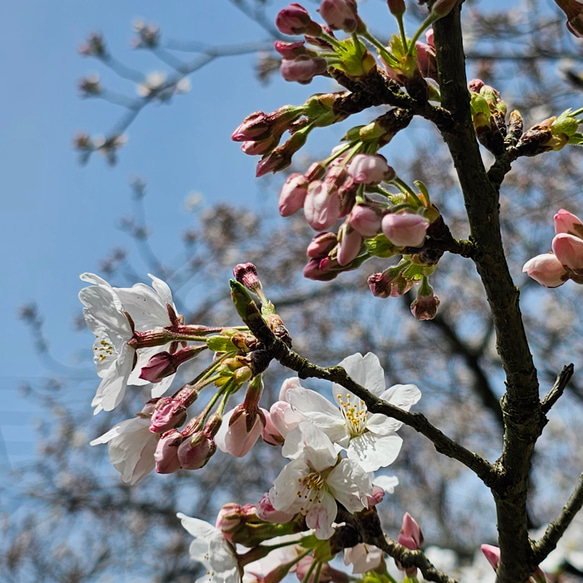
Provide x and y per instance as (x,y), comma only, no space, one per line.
(352,186)
(566,260)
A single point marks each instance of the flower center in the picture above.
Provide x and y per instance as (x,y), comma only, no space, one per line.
(354,414)
(310,491)
(103,349)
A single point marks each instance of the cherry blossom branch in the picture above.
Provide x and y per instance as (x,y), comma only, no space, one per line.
(521,407)
(277,349)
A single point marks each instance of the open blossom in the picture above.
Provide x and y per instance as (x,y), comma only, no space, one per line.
(106,311)
(131,448)
(213,550)
(314,479)
(369,439)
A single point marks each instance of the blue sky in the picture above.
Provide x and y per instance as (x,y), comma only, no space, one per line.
(59,218)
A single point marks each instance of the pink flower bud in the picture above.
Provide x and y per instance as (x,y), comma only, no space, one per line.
(246,274)
(321,245)
(410,535)
(169,413)
(492,553)
(270,433)
(302,69)
(322,206)
(240,430)
(293,194)
(370,169)
(295,19)
(383,285)
(569,250)
(290,50)
(405,229)
(566,222)
(166,454)
(312,270)
(195,451)
(377,496)
(397,7)
(259,148)
(350,242)
(546,269)
(340,14)
(365,220)
(230,516)
(255,126)
(164,364)
(442,8)
(425,307)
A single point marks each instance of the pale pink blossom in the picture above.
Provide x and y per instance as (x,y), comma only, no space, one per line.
(314,479)
(546,269)
(369,439)
(211,548)
(405,229)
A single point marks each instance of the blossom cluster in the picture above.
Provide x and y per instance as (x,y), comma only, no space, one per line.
(332,448)
(141,341)
(333,451)
(381,215)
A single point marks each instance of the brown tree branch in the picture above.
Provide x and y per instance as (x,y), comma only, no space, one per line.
(521,407)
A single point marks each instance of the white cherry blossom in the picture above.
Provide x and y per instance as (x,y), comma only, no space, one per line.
(369,439)
(315,478)
(131,448)
(213,550)
(106,310)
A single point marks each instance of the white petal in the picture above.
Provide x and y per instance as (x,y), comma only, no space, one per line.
(162,289)
(198,528)
(321,516)
(380,424)
(402,396)
(366,371)
(387,483)
(350,484)
(374,452)
(283,494)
